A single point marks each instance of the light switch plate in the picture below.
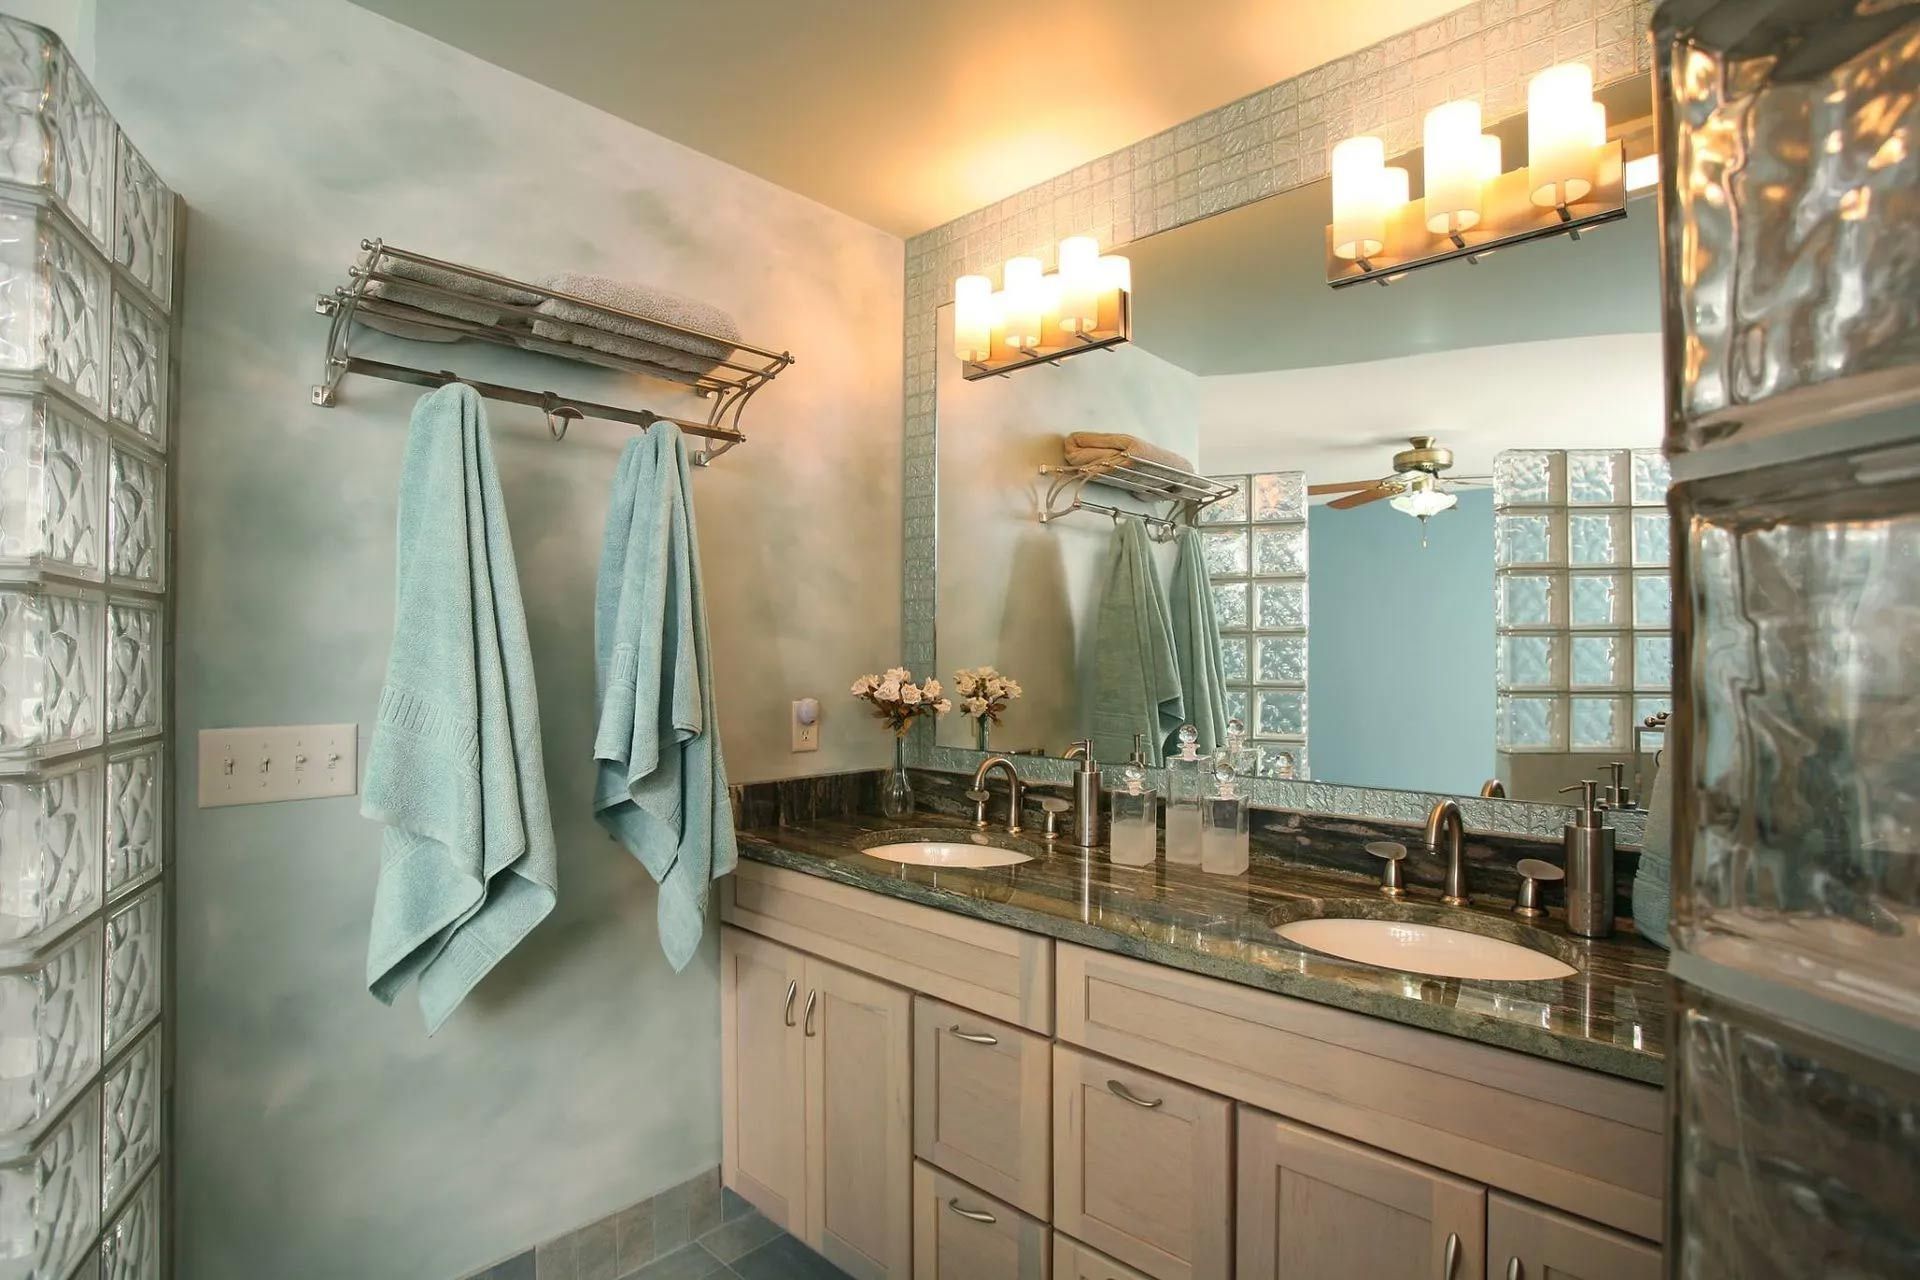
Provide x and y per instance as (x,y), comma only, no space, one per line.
(284,762)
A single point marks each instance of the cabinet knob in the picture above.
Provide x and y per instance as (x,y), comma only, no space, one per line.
(808,1015)
(786,1015)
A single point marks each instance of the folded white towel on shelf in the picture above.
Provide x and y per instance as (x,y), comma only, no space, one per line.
(656,330)
(1092,448)
(481,292)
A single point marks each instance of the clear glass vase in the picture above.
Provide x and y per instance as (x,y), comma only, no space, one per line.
(982,729)
(896,792)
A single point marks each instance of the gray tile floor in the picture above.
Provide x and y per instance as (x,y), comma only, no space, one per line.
(745,1246)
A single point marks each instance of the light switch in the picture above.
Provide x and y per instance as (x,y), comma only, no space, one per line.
(806,724)
(286,762)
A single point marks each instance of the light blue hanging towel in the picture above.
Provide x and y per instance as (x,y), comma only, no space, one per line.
(1196,642)
(1136,681)
(662,785)
(468,865)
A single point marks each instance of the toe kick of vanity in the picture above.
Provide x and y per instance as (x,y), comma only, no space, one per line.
(896,1095)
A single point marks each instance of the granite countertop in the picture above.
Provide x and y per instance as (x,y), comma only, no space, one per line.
(1610,1017)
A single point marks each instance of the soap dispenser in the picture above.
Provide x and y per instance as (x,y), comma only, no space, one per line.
(1133,834)
(1223,826)
(1185,787)
(1589,851)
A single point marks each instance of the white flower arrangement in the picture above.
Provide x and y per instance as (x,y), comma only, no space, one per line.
(984,693)
(895,698)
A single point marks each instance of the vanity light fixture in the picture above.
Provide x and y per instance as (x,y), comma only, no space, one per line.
(1574,178)
(1040,317)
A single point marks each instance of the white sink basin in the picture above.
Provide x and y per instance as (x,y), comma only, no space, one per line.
(1425,948)
(944,853)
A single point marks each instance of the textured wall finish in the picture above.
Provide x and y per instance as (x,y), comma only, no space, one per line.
(320,1134)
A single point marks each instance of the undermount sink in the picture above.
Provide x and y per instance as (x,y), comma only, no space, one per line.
(1420,947)
(946,853)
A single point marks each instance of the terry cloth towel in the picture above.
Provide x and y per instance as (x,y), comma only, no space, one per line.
(482,292)
(662,785)
(643,339)
(467,864)
(1136,681)
(1653,878)
(1091,448)
(1196,642)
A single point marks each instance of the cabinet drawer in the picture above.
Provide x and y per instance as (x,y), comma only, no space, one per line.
(1075,1261)
(983,1103)
(1532,1243)
(1001,972)
(960,1234)
(1142,1167)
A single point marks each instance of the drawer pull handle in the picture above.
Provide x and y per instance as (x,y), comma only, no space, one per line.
(972,1038)
(1452,1258)
(1513,1268)
(1121,1091)
(972,1215)
(808,1015)
(792,987)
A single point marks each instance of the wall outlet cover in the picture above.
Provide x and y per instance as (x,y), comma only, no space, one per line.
(284,762)
(806,724)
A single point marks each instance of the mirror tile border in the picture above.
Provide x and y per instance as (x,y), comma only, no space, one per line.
(1273,140)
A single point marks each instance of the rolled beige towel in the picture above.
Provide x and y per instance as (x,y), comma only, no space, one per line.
(1092,448)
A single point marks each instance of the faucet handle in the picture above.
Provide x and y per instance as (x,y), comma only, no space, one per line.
(1533,872)
(1052,807)
(1391,853)
(980,796)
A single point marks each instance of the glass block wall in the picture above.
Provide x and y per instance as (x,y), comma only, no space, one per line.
(1256,543)
(86,272)
(1582,600)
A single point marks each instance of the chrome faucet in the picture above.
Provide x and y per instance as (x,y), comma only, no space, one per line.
(1444,818)
(1014,792)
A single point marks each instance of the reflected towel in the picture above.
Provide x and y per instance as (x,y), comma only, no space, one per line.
(1653,878)
(649,338)
(662,785)
(1136,681)
(467,865)
(1196,642)
(1091,448)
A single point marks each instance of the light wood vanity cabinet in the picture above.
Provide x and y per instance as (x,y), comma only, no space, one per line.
(960,1234)
(1075,1261)
(983,1103)
(1528,1242)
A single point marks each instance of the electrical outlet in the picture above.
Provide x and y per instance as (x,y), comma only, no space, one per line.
(806,724)
(285,762)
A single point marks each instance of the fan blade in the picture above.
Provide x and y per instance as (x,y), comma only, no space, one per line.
(1346,487)
(1361,499)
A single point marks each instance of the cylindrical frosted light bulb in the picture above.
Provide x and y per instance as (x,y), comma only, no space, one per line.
(1025,301)
(1116,272)
(1561,141)
(1455,156)
(972,318)
(1359,198)
(1079,284)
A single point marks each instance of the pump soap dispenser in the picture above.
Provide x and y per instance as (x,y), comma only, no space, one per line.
(1589,849)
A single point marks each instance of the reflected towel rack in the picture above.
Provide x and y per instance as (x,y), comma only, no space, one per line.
(728,385)
(1186,493)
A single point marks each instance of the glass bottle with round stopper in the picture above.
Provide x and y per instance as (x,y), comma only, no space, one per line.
(1225,848)
(1133,835)
(1186,785)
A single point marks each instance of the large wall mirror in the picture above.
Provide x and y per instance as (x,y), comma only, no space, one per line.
(1518,636)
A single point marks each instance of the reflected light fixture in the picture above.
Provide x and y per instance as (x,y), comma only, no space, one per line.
(1040,317)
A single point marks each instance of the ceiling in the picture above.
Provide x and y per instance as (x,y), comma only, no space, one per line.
(906,114)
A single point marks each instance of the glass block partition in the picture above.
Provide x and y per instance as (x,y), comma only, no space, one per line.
(1256,544)
(1582,599)
(87,261)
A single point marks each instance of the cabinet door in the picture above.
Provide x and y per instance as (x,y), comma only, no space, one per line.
(1528,1242)
(961,1234)
(1074,1261)
(858,1037)
(763,1075)
(1142,1167)
(1313,1205)
(983,1103)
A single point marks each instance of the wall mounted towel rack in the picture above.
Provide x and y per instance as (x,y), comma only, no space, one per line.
(731,381)
(1185,493)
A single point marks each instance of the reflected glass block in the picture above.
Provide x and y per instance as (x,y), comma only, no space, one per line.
(143,231)
(1238,708)
(1596,537)
(1280,605)
(1526,539)
(50,678)
(1231,510)
(1651,478)
(56,324)
(1599,662)
(52,488)
(1529,661)
(134,800)
(133,667)
(1233,659)
(49,1031)
(1527,478)
(1531,723)
(51,827)
(1650,535)
(1280,495)
(1281,714)
(1652,600)
(137,392)
(50,1198)
(1597,724)
(131,1247)
(136,519)
(1282,659)
(1596,600)
(1280,551)
(1230,605)
(1225,552)
(1596,478)
(133,968)
(130,1120)
(1527,600)
(1652,661)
